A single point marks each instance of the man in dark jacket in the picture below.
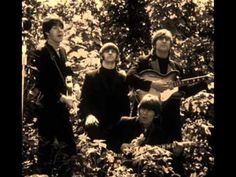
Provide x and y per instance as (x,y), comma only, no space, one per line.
(54,126)
(104,96)
(147,122)
(159,61)
(147,129)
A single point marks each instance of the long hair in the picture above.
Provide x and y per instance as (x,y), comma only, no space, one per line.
(150,102)
(49,22)
(160,33)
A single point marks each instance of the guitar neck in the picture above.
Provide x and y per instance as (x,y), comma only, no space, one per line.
(169,146)
(166,146)
(188,81)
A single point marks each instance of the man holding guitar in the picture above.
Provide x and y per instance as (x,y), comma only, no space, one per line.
(157,74)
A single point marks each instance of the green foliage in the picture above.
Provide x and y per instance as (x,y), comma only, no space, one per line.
(127,24)
(200,105)
(198,114)
(29,147)
(199,160)
(148,160)
(94,159)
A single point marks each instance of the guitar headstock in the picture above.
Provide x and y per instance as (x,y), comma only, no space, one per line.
(210,75)
(210,78)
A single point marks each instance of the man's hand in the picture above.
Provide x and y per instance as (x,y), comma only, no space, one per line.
(69,84)
(139,140)
(135,142)
(68,100)
(91,120)
(178,148)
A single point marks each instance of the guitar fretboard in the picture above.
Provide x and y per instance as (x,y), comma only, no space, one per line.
(166,146)
(189,81)
(169,146)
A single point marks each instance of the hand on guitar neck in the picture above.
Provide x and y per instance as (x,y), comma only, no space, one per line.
(178,148)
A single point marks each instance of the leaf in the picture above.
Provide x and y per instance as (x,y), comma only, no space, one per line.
(90,151)
(100,143)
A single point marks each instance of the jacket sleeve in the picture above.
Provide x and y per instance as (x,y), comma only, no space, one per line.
(45,83)
(134,80)
(85,106)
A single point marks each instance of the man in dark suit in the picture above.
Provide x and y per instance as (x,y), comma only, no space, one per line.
(147,122)
(104,96)
(54,126)
(146,128)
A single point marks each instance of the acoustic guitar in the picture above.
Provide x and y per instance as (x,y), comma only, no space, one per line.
(170,79)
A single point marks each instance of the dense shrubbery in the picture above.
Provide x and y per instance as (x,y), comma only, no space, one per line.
(88,24)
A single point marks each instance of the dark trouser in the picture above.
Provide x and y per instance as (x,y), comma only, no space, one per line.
(171,120)
(56,141)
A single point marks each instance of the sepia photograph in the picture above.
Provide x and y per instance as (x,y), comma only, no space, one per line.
(118,88)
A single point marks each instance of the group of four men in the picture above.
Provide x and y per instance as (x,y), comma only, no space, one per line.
(104,97)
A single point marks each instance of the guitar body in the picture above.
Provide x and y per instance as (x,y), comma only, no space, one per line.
(170,79)
(152,75)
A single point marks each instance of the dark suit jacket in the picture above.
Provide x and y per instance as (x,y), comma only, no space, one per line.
(53,121)
(144,63)
(105,95)
(50,81)
(129,128)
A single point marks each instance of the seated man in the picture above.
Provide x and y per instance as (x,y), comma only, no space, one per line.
(148,124)
(147,121)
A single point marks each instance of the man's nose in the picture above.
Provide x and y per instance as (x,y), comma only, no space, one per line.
(164,39)
(110,51)
(144,111)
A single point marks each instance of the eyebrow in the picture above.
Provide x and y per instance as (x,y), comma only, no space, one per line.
(110,49)
(164,35)
(58,25)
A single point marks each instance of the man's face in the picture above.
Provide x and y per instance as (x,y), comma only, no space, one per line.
(56,33)
(146,116)
(109,55)
(163,43)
